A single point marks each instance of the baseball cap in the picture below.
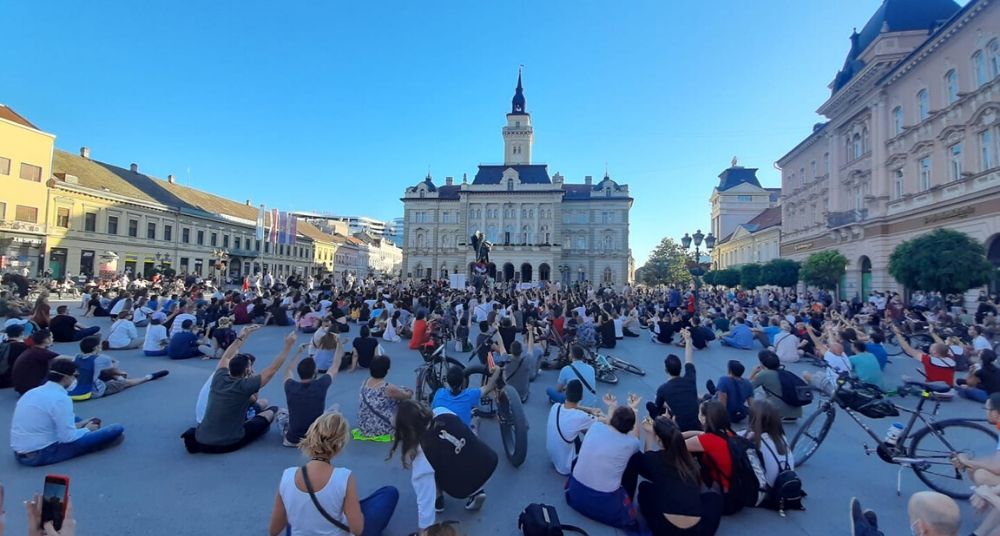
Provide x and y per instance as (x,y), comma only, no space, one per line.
(159,316)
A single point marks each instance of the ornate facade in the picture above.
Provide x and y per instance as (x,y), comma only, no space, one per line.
(911,141)
(542,228)
(746,219)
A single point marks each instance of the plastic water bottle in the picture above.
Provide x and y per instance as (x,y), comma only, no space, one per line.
(892,434)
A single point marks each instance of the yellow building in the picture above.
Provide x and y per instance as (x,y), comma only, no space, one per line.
(25,165)
(324,248)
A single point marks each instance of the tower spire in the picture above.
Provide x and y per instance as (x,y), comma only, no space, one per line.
(517,104)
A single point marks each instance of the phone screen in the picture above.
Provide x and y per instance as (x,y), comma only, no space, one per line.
(54,500)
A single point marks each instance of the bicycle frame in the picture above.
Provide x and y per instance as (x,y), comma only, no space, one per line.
(915,414)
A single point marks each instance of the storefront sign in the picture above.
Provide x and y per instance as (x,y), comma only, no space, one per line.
(960,212)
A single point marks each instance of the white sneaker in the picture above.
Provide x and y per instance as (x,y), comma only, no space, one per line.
(476,501)
(281,418)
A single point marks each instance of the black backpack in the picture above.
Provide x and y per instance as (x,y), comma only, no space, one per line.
(462,462)
(747,484)
(542,520)
(787,492)
(794,390)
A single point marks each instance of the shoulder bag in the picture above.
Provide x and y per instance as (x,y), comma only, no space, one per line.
(312,495)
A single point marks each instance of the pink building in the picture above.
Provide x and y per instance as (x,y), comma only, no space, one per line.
(911,142)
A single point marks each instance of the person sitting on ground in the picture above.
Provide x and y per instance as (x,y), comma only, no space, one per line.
(519,365)
(99,375)
(836,359)
(307,320)
(679,393)
(156,340)
(234,387)
(938,365)
(767,433)
(122,335)
(10,350)
(661,329)
(364,349)
(187,343)
(42,311)
(393,328)
(32,366)
(222,336)
(786,344)
(65,328)
(596,487)
(766,376)
(566,426)
(983,471)
(305,490)
(713,444)
(734,391)
(935,514)
(185,311)
(328,347)
(419,332)
(379,401)
(45,431)
(305,397)
(577,369)
(739,336)
(982,381)
(672,499)
(460,401)
(96,306)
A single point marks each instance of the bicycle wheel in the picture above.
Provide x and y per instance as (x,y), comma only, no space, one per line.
(812,433)
(427,384)
(606,375)
(478,376)
(621,364)
(934,446)
(921,341)
(513,426)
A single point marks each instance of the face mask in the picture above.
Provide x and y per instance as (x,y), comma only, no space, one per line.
(913,529)
(72,386)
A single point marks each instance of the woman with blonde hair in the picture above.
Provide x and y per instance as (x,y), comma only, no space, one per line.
(319,499)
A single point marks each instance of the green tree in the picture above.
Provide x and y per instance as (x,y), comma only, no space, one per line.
(667,265)
(780,273)
(750,276)
(730,277)
(824,269)
(943,260)
(709,278)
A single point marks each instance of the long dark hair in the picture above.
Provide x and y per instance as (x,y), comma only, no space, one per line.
(765,419)
(716,418)
(674,451)
(988,357)
(412,419)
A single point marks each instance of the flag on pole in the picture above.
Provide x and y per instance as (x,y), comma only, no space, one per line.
(293,229)
(274,226)
(260,223)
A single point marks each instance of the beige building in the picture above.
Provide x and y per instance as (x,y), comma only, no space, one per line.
(746,219)
(911,141)
(542,228)
(25,165)
(104,218)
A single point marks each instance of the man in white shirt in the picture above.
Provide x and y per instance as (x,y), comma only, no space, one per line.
(566,425)
(185,313)
(44,431)
(979,341)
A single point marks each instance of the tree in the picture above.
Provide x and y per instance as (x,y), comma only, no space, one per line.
(730,277)
(824,269)
(943,260)
(750,276)
(709,278)
(780,273)
(667,265)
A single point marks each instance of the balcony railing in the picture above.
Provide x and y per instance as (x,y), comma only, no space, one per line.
(847,217)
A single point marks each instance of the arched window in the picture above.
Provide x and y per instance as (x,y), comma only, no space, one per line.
(609,242)
(993,48)
(897,120)
(525,235)
(856,146)
(510,185)
(951,86)
(608,276)
(923,107)
(507,231)
(979,68)
(421,240)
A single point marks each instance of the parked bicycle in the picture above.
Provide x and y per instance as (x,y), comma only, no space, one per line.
(504,403)
(605,366)
(928,451)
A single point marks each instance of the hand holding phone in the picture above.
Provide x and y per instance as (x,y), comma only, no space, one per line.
(54,501)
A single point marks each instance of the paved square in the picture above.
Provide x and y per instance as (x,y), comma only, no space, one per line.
(151,486)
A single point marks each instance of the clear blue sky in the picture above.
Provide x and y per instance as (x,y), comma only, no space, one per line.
(338,106)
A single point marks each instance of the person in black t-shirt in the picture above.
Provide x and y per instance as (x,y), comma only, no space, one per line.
(678,397)
(983,380)
(66,329)
(306,397)
(364,350)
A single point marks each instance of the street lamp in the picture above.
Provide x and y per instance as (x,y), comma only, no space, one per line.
(697,271)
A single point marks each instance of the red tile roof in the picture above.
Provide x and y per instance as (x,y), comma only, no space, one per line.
(8,113)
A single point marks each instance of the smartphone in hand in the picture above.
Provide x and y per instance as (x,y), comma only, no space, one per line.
(55,499)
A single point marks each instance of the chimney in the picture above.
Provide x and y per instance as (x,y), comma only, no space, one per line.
(85,152)
(588,180)
(134,167)
(170,179)
(448,181)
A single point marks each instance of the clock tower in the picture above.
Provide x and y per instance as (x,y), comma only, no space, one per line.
(518,135)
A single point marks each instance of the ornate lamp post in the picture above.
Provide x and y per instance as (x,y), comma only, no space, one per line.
(696,269)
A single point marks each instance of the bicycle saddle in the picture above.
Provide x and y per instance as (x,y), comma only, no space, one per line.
(933,387)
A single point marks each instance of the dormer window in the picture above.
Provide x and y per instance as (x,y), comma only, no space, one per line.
(421,194)
(510,185)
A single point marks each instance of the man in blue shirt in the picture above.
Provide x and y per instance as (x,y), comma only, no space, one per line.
(740,336)
(186,344)
(460,401)
(733,390)
(874,347)
(583,372)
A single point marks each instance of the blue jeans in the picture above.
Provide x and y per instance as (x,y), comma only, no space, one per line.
(555,396)
(155,353)
(614,508)
(973,393)
(79,334)
(377,509)
(60,452)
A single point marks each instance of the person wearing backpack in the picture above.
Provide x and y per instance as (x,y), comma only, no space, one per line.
(766,432)
(713,445)
(9,352)
(767,376)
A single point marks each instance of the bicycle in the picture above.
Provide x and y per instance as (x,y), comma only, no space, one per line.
(432,374)
(504,404)
(930,449)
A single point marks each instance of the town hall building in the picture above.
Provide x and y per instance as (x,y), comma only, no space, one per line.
(542,228)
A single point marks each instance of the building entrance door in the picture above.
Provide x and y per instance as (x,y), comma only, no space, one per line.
(57,262)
